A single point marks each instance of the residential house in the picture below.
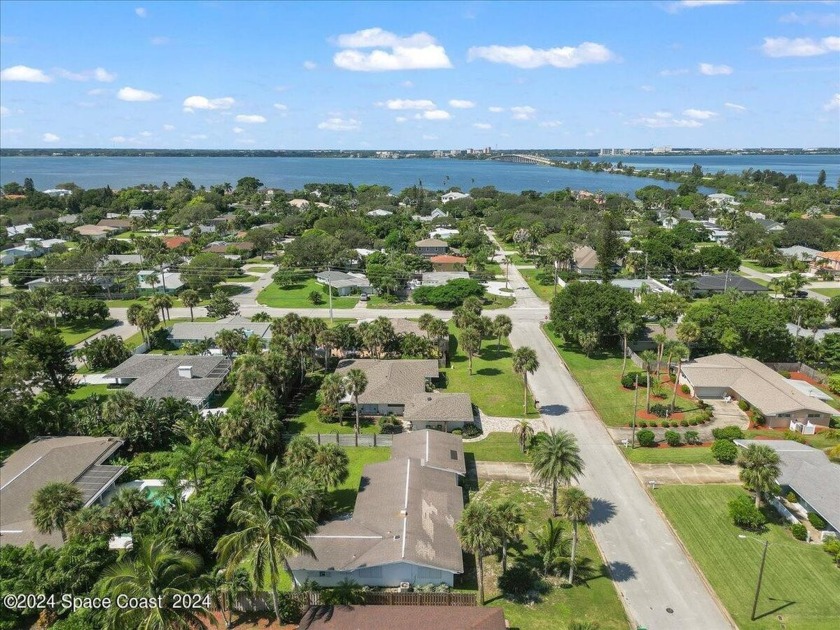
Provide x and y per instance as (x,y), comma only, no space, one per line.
(241,247)
(443,412)
(125,259)
(718,283)
(817,335)
(755,215)
(429,247)
(58,192)
(76,460)
(716,233)
(437,278)
(435,449)
(139,213)
(392,383)
(174,242)
(720,199)
(190,332)
(222,221)
(781,404)
(641,286)
(670,219)
(452,196)
(157,376)
(95,232)
(585,260)
(403,617)
(827,260)
(17,230)
(443,233)
(403,526)
(799,252)
(808,473)
(770,226)
(447,262)
(344,283)
(119,225)
(437,213)
(379,212)
(299,204)
(166,282)
(69,219)
(644,339)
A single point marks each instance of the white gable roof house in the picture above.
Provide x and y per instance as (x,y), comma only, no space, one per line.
(452,196)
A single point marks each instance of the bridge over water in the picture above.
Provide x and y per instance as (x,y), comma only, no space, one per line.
(523,158)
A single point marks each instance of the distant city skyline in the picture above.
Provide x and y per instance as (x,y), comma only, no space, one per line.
(712,74)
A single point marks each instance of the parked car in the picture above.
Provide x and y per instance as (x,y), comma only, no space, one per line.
(364,297)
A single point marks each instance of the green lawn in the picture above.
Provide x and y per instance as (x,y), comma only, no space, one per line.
(668,455)
(544,291)
(344,497)
(801,587)
(827,292)
(89,390)
(751,264)
(492,302)
(305,419)
(259,269)
(297,296)
(77,332)
(493,385)
(599,375)
(496,447)
(137,338)
(593,598)
(242,278)
(820,440)
(761,281)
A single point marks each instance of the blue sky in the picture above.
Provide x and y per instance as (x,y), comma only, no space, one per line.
(419,74)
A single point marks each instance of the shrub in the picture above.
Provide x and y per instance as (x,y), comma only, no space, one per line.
(471,431)
(796,437)
(646,438)
(316,298)
(799,531)
(784,373)
(744,513)
(832,547)
(390,425)
(628,381)
(673,438)
(834,383)
(652,423)
(743,405)
(389,298)
(683,423)
(643,424)
(816,520)
(291,608)
(693,422)
(759,418)
(659,410)
(518,580)
(456,431)
(791,497)
(728,433)
(659,392)
(685,389)
(724,451)
(328,414)
(692,437)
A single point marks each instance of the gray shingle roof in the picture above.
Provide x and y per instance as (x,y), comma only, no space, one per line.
(435,449)
(431,242)
(192,331)
(720,281)
(436,407)
(156,376)
(392,382)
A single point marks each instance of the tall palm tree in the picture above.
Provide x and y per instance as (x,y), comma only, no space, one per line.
(328,339)
(688,332)
(191,299)
(230,341)
(147,319)
(194,460)
(626,328)
(272,525)
(549,543)
(248,373)
(556,459)
(524,433)
(478,531)
(331,392)
(525,362)
(127,506)
(648,357)
(679,351)
(154,569)
(502,327)
(574,506)
(330,466)
(438,331)
(355,384)
(510,520)
(760,467)
(470,342)
(53,505)
(660,339)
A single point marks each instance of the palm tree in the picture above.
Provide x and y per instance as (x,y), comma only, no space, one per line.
(688,332)
(525,362)
(330,466)
(626,328)
(471,342)
(760,468)
(478,531)
(660,339)
(355,384)
(229,341)
(53,505)
(300,452)
(271,525)
(524,433)
(195,460)
(147,319)
(574,506)
(425,321)
(549,544)
(191,299)
(502,327)
(346,593)
(154,570)
(127,506)
(331,392)
(328,339)
(556,459)
(511,519)
(438,331)
(248,373)
(648,357)
(587,340)
(680,351)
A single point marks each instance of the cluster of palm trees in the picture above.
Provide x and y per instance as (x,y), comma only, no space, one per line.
(485,528)
(335,386)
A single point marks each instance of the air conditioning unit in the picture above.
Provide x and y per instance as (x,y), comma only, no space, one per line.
(405,587)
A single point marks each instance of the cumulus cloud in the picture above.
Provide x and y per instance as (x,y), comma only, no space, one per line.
(192,103)
(24,74)
(551,124)
(661,120)
(250,118)
(482,125)
(390,52)
(169,127)
(527,57)
(50,137)
(97,74)
(146,134)
(523,112)
(134,95)
(403,103)
(434,114)
(735,106)
(832,104)
(407,84)
(711,70)
(309,65)
(400,119)
(141,12)
(336,123)
(281,107)
(799,46)
(461,104)
(238,130)
(699,114)
(675,7)
(496,109)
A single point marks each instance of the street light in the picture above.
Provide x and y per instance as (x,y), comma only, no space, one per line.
(760,570)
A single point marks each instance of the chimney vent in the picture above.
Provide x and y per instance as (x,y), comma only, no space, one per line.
(185,371)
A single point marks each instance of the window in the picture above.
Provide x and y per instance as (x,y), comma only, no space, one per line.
(815,415)
(371,572)
(784,415)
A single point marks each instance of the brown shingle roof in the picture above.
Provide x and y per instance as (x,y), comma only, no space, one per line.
(403,617)
(448,258)
(393,382)
(431,242)
(436,407)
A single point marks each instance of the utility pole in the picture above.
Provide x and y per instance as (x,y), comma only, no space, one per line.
(507,271)
(635,403)
(329,291)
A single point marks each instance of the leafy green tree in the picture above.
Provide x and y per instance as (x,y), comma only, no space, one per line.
(478,531)
(593,307)
(574,506)
(760,467)
(609,246)
(355,384)
(206,270)
(556,460)
(53,505)
(221,305)
(45,361)
(525,362)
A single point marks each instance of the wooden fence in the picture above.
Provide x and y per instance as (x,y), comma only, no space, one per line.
(347,439)
(804,368)
(262,601)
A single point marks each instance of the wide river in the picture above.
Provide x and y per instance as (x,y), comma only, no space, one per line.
(293,173)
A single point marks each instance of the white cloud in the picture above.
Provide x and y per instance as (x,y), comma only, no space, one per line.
(159,40)
(103,76)
(699,114)
(735,106)
(693,4)
(281,107)
(833,103)
(662,120)
(527,57)
(407,84)
(336,123)
(711,70)
(25,74)
(146,134)
(799,46)
(202,102)
(523,112)
(250,118)
(435,114)
(119,139)
(97,92)
(309,65)
(238,130)
(400,119)
(820,19)
(4,111)
(674,72)
(415,52)
(482,125)
(141,12)
(169,127)
(50,137)
(461,104)
(133,95)
(402,103)
(495,109)
(97,74)
(551,124)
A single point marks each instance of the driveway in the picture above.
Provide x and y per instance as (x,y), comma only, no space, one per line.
(656,579)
